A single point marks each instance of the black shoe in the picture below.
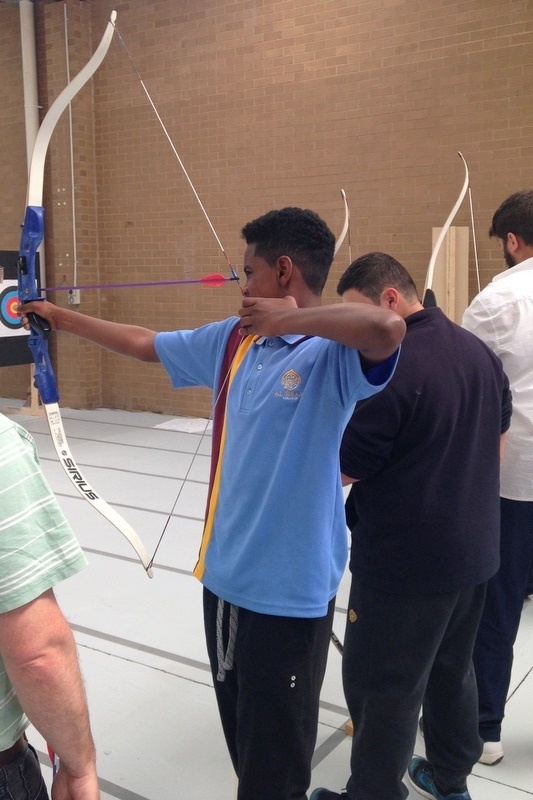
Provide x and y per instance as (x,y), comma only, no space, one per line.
(325,794)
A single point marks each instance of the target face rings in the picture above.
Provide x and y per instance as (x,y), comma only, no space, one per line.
(8,308)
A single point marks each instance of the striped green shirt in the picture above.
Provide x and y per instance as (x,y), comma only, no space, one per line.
(37,548)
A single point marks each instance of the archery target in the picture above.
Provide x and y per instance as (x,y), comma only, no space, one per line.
(14,348)
(8,313)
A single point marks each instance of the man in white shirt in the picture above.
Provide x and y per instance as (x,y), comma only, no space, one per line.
(502,316)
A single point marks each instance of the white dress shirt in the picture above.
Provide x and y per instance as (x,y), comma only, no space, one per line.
(502,316)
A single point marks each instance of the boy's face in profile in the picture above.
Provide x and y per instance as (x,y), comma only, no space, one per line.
(261,278)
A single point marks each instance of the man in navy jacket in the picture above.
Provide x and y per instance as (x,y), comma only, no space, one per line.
(424,512)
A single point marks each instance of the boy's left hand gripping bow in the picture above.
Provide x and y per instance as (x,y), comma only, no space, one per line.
(32,235)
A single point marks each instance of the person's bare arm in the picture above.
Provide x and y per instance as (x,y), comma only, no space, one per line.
(128,340)
(347,481)
(503,440)
(40,657)
(374,331)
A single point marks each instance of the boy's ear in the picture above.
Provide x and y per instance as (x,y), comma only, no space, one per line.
(284,267)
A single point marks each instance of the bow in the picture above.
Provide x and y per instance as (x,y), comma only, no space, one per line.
(345,227)
(429,299)
(31,238)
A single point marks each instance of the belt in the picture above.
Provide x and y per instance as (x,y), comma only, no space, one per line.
(9,755)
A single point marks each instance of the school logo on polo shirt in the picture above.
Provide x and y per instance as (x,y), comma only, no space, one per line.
(290,381)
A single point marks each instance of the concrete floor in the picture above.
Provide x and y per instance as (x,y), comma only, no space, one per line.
(141,642)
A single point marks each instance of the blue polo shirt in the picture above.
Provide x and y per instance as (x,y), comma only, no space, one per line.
(279,542)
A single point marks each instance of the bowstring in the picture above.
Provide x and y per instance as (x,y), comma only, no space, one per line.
(195,454)
(474,237)
(230,267)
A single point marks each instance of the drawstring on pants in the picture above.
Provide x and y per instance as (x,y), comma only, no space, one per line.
(225,661)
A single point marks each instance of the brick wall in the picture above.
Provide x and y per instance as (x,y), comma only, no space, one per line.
(269,104)
(14,381)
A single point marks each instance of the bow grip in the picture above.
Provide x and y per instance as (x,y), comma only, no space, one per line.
(40,325)
(31,238)
(43,377)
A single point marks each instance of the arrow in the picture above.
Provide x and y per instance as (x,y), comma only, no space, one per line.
(213,281)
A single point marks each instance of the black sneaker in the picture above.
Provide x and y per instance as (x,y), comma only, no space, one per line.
(325,794)
(421,776)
